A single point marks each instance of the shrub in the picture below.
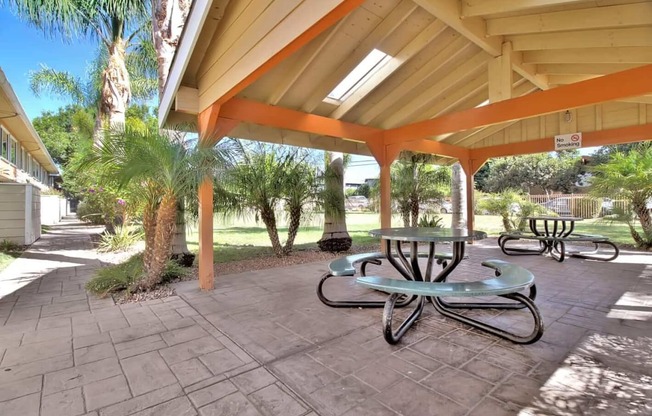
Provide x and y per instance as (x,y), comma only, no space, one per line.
(127,276)
(87,211)
(8,246)
(434,221)
(122,240)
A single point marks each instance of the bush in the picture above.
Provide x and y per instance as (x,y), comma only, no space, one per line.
(122,240)
(127,275)
(434,221)
(8,246)
(86,211)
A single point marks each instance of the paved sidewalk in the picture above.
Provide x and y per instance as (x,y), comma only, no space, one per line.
(65,353)
(262,344)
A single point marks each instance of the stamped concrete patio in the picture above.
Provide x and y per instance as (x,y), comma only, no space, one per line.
(262,344)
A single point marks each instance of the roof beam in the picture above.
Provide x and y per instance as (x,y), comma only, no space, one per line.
(639,14)
(501,75)
(625,55)
(253,69)
(475,30)
(431,147)
(582,69)
(603,38)
(284,118)
(303,62)
(471,8)
(589,139)
(630,83)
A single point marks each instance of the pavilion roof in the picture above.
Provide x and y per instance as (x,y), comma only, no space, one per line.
(492,76)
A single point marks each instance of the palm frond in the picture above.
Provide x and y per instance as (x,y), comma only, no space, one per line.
(58,83)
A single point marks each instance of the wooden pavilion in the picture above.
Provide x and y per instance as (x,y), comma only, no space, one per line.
(466,80)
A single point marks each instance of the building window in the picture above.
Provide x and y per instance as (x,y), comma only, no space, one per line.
(13,151)
(4,146)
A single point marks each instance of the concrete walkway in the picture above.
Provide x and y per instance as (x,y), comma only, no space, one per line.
(262,344)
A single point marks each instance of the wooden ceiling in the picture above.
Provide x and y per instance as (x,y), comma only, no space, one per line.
(447,56)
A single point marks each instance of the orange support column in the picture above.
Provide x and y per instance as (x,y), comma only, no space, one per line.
(206,273)
(207,123)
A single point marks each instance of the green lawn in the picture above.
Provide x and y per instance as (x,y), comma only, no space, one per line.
(6,258)
(244,239)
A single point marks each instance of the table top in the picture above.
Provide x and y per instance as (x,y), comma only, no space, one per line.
(551,218)
(428,234)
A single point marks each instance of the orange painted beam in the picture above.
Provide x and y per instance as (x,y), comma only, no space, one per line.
(284,118)
(346,7)
(630,83)
(432,147)
(589,139)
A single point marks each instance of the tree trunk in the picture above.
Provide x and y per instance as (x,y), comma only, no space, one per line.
(293,228)
(180,252)
(458,191)
(149,226)
(414,210)
(165,222)
(405,214)
(269,219)
(335,237)
(116,88)
(168,19)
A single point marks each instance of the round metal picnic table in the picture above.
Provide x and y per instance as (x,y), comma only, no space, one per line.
(555,231)
(411,270)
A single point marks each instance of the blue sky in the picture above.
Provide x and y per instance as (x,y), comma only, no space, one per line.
(23,48)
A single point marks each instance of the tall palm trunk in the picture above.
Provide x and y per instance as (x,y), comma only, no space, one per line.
(458,193)
(168,19)
(335,237)
(116,88)
(165,222)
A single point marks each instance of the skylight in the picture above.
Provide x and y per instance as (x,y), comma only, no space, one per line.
(365,69)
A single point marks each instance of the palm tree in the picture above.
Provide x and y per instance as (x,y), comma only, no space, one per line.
(166,170)
(168,19)
(416,181)
(630,176)
(265,176)
(335,237)
(120,27)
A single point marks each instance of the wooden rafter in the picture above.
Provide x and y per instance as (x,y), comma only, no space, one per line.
(630,83)
(638,14)
(475,29)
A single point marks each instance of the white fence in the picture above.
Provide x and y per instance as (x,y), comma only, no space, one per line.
(578,205)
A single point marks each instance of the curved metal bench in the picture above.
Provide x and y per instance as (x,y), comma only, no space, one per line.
(345,266)
(511,280)
(556,246)
(594,254)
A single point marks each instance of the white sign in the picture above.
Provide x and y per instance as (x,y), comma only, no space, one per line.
(568,141)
